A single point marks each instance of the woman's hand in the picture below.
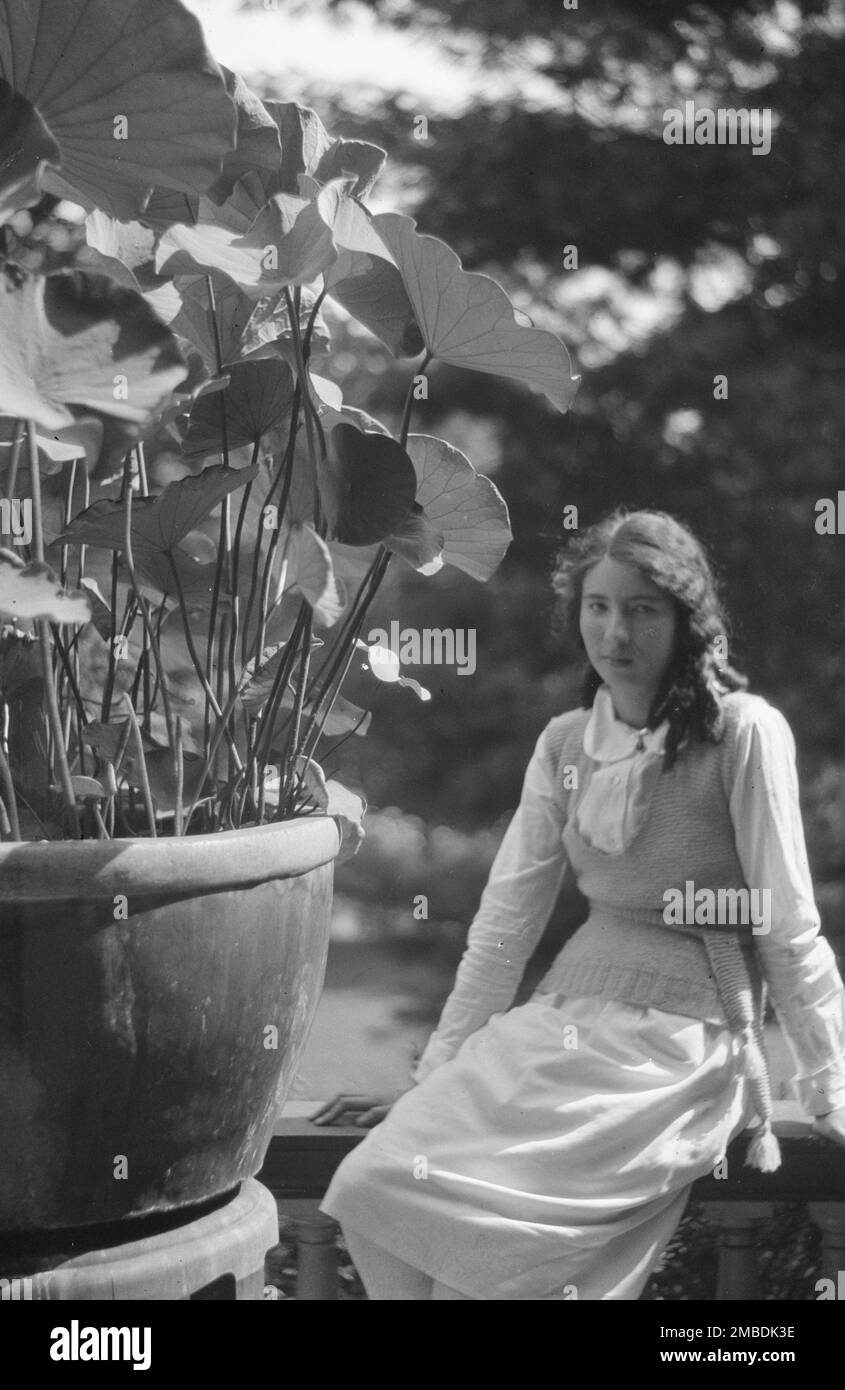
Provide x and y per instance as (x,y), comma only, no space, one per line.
(366,1111)
(832,1125)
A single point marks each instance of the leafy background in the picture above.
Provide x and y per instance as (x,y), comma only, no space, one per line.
(693,261)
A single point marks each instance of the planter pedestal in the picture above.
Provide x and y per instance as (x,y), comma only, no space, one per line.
(216,1255)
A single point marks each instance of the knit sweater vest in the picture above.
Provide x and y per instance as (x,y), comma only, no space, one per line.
(625,950)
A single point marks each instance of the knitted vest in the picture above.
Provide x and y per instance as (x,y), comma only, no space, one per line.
(626,949)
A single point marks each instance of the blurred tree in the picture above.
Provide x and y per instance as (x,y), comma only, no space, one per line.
(742,258)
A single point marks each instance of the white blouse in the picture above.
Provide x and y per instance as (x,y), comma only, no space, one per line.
(797,962)
(612,807)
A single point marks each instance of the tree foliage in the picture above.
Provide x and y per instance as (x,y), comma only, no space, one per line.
(753,251)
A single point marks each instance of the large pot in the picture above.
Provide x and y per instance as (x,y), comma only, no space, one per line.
(155,997)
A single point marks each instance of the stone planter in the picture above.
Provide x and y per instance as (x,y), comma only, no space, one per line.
(155,997)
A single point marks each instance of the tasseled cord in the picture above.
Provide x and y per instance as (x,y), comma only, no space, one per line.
(734,985)
(764,1149)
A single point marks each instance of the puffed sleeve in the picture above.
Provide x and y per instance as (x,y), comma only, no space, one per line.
(798,964)
(524,882)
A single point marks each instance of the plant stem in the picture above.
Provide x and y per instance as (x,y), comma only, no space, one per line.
(224,447)
(120,750)
(366,592)
(312,319)
(409,401)
(221,678)
(159,681)
(42,627)
(328,697)
(111,673)
(142,767)
(68,670)
(309,411)
(142,603)
(36,817)
(35,482)
(108,685)
(262,795)
(63,574)
(140,459)
(289,759)
(218,357)
(266,726)
(122,745)
(222,724)
(195,658)
(68,518)
(346,637)
(86,502)
(15,458)
(7,783)
(180,775)
(144,665)
(284,474)
(55,722)
(288,465)
(342,655)
(236,565)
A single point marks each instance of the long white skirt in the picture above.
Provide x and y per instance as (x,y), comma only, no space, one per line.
(552,1157)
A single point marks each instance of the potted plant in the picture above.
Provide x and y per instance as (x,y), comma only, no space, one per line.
(193,526)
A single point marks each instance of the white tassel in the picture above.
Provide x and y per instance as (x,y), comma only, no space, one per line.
(764,1150)
(751,1058)
(735,991)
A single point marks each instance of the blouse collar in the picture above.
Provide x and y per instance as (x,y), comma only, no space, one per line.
(608,740)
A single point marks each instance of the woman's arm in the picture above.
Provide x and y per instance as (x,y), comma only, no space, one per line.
(798,964)
(524,882)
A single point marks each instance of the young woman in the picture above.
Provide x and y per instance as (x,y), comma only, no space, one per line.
(547,1151)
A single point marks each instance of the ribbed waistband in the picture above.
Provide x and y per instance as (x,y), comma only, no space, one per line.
(636,958)
(614,915)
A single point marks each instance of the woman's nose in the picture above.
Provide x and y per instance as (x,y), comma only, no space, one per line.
(617,628)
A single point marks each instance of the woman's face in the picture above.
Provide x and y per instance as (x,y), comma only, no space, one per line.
(628,626)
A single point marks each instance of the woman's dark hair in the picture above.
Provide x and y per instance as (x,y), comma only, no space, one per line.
(671,557)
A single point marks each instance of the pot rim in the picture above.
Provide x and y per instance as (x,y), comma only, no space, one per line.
(56,870)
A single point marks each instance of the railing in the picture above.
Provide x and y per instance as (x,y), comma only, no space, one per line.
(303,1157)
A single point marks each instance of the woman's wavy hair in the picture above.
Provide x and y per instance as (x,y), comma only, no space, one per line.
(673,559)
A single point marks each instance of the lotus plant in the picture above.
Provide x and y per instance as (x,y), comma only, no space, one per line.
(172,657)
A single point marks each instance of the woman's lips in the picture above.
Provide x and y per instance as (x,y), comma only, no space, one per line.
(618,660)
